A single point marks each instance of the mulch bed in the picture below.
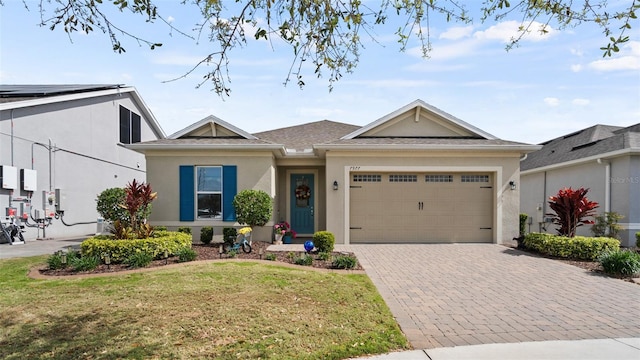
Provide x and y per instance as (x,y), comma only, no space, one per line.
(209,252)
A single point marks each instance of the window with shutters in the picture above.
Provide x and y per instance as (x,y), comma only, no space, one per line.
(130,126)
(209,192)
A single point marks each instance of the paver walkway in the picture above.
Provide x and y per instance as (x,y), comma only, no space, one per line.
(455,295)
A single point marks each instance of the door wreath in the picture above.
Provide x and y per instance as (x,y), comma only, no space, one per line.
(303,192)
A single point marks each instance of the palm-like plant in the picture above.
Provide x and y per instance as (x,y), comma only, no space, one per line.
(571,207)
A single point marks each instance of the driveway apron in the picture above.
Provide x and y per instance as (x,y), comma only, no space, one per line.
(467,294)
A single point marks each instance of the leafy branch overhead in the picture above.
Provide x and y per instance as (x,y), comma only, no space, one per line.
(327,33)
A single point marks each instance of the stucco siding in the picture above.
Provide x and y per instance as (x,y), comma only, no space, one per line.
(255,170)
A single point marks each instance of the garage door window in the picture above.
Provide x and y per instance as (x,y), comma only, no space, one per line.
(439,178)
(475,178)
(367,178)
(403,178)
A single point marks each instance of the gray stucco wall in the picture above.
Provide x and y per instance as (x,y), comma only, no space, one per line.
(623,184)
(85,157)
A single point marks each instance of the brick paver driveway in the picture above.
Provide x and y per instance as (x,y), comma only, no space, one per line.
(452,295)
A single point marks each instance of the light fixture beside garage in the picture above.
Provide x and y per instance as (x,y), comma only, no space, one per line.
(335,185)
(512,185)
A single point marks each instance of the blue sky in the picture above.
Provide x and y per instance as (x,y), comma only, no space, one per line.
(547,87)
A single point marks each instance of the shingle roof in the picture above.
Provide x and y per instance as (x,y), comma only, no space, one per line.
(422,141)
(305,136)
(205,141)
(592,141)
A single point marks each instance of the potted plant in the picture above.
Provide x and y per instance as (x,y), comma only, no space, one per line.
(279,230)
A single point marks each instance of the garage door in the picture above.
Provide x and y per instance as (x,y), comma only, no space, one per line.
(421,207)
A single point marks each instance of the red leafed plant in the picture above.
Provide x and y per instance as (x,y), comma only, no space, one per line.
(138,198)
(571,208)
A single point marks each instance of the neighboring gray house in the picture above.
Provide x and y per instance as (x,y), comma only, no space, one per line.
(68,137)
(605,159)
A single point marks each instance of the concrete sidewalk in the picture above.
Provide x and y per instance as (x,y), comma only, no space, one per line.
(600,349)
(37,247)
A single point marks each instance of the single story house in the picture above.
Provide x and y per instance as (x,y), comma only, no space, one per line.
(605,159)
(62,145)
(416,175)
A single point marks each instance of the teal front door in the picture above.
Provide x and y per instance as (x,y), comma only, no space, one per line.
(302,203)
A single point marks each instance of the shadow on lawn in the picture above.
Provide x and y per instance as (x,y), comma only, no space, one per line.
(95,336)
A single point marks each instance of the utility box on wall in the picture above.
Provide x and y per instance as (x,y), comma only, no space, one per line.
(29,179)
(9,175)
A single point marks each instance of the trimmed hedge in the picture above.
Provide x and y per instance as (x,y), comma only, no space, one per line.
(324,241)
(578,247)
(120,250)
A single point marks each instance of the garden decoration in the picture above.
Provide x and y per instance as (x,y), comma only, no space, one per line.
(308,245)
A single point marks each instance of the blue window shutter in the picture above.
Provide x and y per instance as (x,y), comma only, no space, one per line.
(187,193)
(229,191)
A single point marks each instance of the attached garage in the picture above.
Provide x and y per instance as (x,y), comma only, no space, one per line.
(421,207)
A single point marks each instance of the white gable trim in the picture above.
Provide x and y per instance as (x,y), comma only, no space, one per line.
(420,104)
(212,120)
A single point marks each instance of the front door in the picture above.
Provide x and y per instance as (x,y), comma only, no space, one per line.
(302,203)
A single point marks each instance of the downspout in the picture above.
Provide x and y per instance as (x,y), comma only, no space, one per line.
(607,185)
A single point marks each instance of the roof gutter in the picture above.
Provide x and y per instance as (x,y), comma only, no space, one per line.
(416,147)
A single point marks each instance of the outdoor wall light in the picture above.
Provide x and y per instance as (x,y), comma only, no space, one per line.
(107,260)
(512,185)
(335,185)
(63,258)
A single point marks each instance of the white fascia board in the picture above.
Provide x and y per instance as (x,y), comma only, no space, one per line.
(609,155)
(234,147)
(148,114)
(426,106)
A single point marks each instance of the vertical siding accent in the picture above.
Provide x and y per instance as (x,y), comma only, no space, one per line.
(187,193)
(229,191)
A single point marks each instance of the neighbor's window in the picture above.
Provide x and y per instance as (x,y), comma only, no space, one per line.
(209,192)
(129,126)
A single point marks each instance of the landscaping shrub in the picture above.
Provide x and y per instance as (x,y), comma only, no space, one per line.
(571,207)
(186,255)
(620,262)
(229,235)
(305,260)
(271,257)
(185,229)
(638,239)
(84,263)
(138,259)
(109,205)
(160,228)
(324,241)
(253,207)
(579,247)
(119,250)
(523,224)
(54,261)
(206,234)
(344,262)
(607,225)
(324,255)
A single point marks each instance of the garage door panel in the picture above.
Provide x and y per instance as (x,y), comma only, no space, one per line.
(421,208)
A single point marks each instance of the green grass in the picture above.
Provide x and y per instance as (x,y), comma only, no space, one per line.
(215,310)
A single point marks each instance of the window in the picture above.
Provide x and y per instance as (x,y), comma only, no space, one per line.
(366,178)
(403,178)
(130,131)
(209,192)
(438,178)
(475,178)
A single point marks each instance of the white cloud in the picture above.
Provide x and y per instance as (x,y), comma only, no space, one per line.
(628,59)
(576,67)
(393,83)
(457,32)
(509,30)
(445,52)
(551,101)
(580,102)
(170,19)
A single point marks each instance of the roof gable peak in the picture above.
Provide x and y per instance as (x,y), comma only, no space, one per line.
(422,120)
(211,126)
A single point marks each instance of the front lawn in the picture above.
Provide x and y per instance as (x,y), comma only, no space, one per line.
(212,310)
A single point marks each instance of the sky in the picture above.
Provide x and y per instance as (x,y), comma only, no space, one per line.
(547,87)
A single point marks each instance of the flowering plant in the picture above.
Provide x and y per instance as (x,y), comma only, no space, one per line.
(283,228)
(244,231)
